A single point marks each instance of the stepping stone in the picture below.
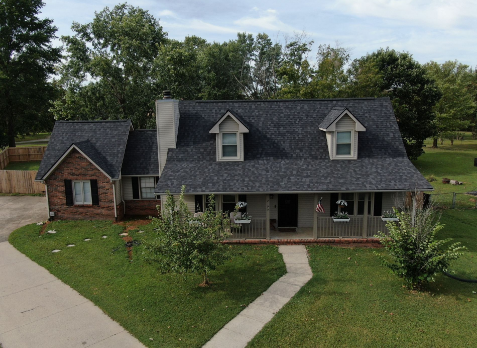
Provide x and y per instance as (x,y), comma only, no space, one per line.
(123,234)
(140,231)
(105,236)
(87,239)
(71,245)
(56,251)
(51,231)
(39,223)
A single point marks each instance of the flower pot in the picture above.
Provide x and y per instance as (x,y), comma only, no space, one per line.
(340,220)
(389,219)
(242,221)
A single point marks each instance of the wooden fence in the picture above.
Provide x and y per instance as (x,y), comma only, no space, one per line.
(20,181)
(21,154)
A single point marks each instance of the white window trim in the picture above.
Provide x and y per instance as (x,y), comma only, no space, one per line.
(220,156)
(335,146)
(140,187)
(82,192)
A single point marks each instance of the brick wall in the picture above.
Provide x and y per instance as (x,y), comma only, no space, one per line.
(76,167)
(142,207)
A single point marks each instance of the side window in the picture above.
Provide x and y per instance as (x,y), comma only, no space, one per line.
(343,143)
(229,145)
(82,192)
(147,187)
(228,203)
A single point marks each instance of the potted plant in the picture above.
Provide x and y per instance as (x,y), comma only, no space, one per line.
(242,218)
(342,203)
(389,215)
(341,217)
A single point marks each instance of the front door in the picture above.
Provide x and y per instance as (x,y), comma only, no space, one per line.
(288,210)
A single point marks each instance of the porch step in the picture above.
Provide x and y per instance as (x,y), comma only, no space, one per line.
(240,330)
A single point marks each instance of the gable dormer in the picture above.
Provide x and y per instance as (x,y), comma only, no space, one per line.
(229,130)
(342,129)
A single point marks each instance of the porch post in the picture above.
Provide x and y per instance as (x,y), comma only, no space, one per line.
(267,219)
(315,218)
(365,215)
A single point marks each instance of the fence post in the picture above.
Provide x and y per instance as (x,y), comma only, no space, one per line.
(453,199)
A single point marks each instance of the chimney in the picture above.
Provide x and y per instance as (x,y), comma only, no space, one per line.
(167,125)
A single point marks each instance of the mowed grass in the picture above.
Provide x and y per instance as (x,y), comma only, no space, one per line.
(31,165)
(160,310)
(353,301)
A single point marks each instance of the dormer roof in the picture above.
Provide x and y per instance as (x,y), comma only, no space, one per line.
(229,113)
(329,122)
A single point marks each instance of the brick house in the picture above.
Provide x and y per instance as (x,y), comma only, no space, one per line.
(100,170)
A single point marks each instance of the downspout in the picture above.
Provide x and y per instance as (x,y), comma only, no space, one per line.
(47,200)
(114,199)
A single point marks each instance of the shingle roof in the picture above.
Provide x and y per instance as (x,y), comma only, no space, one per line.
(141,153)
(331,117)
(104,142)
(286,152)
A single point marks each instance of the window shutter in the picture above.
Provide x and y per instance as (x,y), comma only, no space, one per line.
(94,192)
(333,205)
(378,203)
(199,206)
(69,192)
(135,187)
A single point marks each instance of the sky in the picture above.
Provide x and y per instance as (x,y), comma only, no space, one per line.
(437,30)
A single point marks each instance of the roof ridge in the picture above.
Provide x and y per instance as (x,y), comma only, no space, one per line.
(278,100)
(93,121)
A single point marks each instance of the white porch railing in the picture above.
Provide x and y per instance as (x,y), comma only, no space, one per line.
(255,229)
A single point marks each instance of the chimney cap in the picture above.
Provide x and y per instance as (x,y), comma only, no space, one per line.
(166,94)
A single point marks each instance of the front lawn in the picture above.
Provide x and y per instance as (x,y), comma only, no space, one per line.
(160,310)
(353,301)
(31,165)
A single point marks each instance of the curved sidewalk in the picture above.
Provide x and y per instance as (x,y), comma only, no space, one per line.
(37,310)
(240,330)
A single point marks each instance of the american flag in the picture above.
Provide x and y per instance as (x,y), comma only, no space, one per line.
(319,207)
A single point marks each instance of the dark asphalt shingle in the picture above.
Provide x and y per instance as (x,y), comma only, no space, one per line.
(286,151)
(140,157)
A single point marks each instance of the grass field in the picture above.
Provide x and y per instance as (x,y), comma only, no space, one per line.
(171,310)
(32,137)
(32,165)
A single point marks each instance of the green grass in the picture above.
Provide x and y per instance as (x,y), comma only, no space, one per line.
(31,165)
(32,137)
(170,309)
(353,301)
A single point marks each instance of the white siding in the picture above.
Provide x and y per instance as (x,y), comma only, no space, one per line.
(306,209)
(345,123)
(190,201)
(393,199)
(228,125)
(127,188)
(167,122)
(256,206)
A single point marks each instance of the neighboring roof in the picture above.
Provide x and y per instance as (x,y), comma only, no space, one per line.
(141,153)
(286,152)
(103,142)
(335,114)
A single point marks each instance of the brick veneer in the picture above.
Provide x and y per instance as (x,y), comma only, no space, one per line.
(76,167)
(146,207)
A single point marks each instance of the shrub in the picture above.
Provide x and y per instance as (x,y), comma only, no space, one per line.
(188,244)
(414,253)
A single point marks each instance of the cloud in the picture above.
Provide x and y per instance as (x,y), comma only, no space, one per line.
(167,13)
(266,20)
(440,14)
(199,25)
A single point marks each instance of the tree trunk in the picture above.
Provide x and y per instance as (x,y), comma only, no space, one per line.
(434,143)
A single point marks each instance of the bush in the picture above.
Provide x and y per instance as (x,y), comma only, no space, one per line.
(416,255)
(188,244)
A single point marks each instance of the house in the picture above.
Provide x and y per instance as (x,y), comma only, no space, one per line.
(281,157)
(100,170)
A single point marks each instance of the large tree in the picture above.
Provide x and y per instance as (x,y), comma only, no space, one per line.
(108,69)
(27,60)
(456,109)
(412,92)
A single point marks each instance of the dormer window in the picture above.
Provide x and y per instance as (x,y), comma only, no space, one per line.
(229,131)
(343,143)
(342,129)
(229,144)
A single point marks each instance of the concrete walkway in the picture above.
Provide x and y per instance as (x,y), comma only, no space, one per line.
(39,311)
(240,330)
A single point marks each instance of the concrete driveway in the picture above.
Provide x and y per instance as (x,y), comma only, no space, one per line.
(18,211)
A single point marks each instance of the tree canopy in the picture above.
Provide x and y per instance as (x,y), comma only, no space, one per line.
(27,60)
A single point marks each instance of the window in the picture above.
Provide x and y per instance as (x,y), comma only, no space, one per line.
(343,143)
(349,198)
(229,144)
(361,197)
(228,203)
(82,192)
(147,187)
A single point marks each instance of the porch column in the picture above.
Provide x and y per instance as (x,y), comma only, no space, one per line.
(365,215)
(267,218)
(315,218)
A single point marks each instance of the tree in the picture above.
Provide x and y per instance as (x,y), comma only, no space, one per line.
(185,244)
(27,60)
(413,95)
(110,62)
(414,252)
(455,110)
